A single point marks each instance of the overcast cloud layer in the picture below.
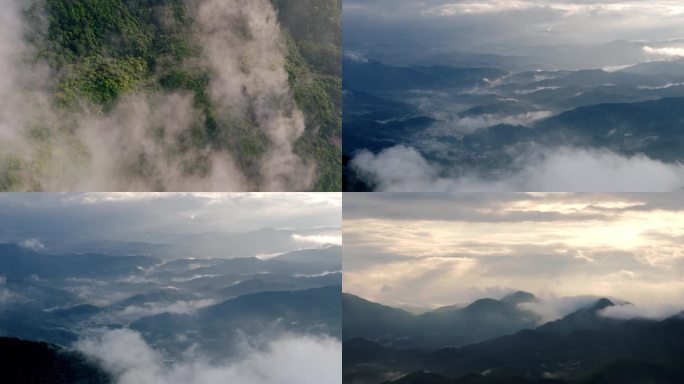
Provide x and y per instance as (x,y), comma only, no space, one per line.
(204,224)
(440,249)
(503,26)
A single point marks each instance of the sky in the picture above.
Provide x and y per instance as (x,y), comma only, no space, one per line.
(171,224)
(503,26)
(430,250)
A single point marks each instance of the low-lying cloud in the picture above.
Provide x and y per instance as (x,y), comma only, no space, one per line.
(6,296)
(567,169)
(32,244)
(289,359)
(134,312)
(669,52)
(653,311)
(550,307)
(469,124)
(141,142)
(319,239)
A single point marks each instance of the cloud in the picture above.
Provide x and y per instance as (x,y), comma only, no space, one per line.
(251,77)
(476,7)
(655,311)
(6,296)
(469,124)
(288,359)
(32,244)
(448,248)
(319,239)
(397,30)
(551,308)
(356,57)
(140,143)
(664,51)
(403,168)
(134,312)
(159,224)
(661,7)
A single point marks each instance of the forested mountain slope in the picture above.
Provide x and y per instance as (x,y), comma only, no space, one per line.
(174,95)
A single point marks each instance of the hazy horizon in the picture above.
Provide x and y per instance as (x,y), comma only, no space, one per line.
(171,225)
(510,27)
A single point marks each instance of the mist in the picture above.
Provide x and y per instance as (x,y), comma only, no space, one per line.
(285,359)
(140,142)
(251,73)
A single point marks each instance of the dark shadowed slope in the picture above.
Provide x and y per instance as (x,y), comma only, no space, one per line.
(452,326)
(26,362)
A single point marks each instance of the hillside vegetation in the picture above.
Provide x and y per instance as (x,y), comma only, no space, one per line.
(103,50)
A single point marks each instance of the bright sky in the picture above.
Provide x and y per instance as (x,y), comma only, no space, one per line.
(440,249)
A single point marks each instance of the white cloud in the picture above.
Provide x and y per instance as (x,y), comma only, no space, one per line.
(662,7)
(551,307)
(560,169)
(319,239)
(6,296)
(475,7)
(648,311)
(287,360)
(355,56)
(664,51)
(178,307)
(32,244)
(471,123)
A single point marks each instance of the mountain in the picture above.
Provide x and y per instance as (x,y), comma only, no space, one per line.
(620,352)
(668,67)
(433,378)
(363,318)
(18,262)
(651,128)
(31,323)
(519,297)
(254,265)
(167,295)
(480,320)
(101,52)
(26,362)
(279,282)
(588,318)
(219,327)
(373,77)
(423,378)
(329,256)
(596,77)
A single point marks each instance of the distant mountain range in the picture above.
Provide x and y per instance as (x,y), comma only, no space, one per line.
(582,347)
(374,76)
(481,320)
(219,328)
(483,122)
(211,305)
